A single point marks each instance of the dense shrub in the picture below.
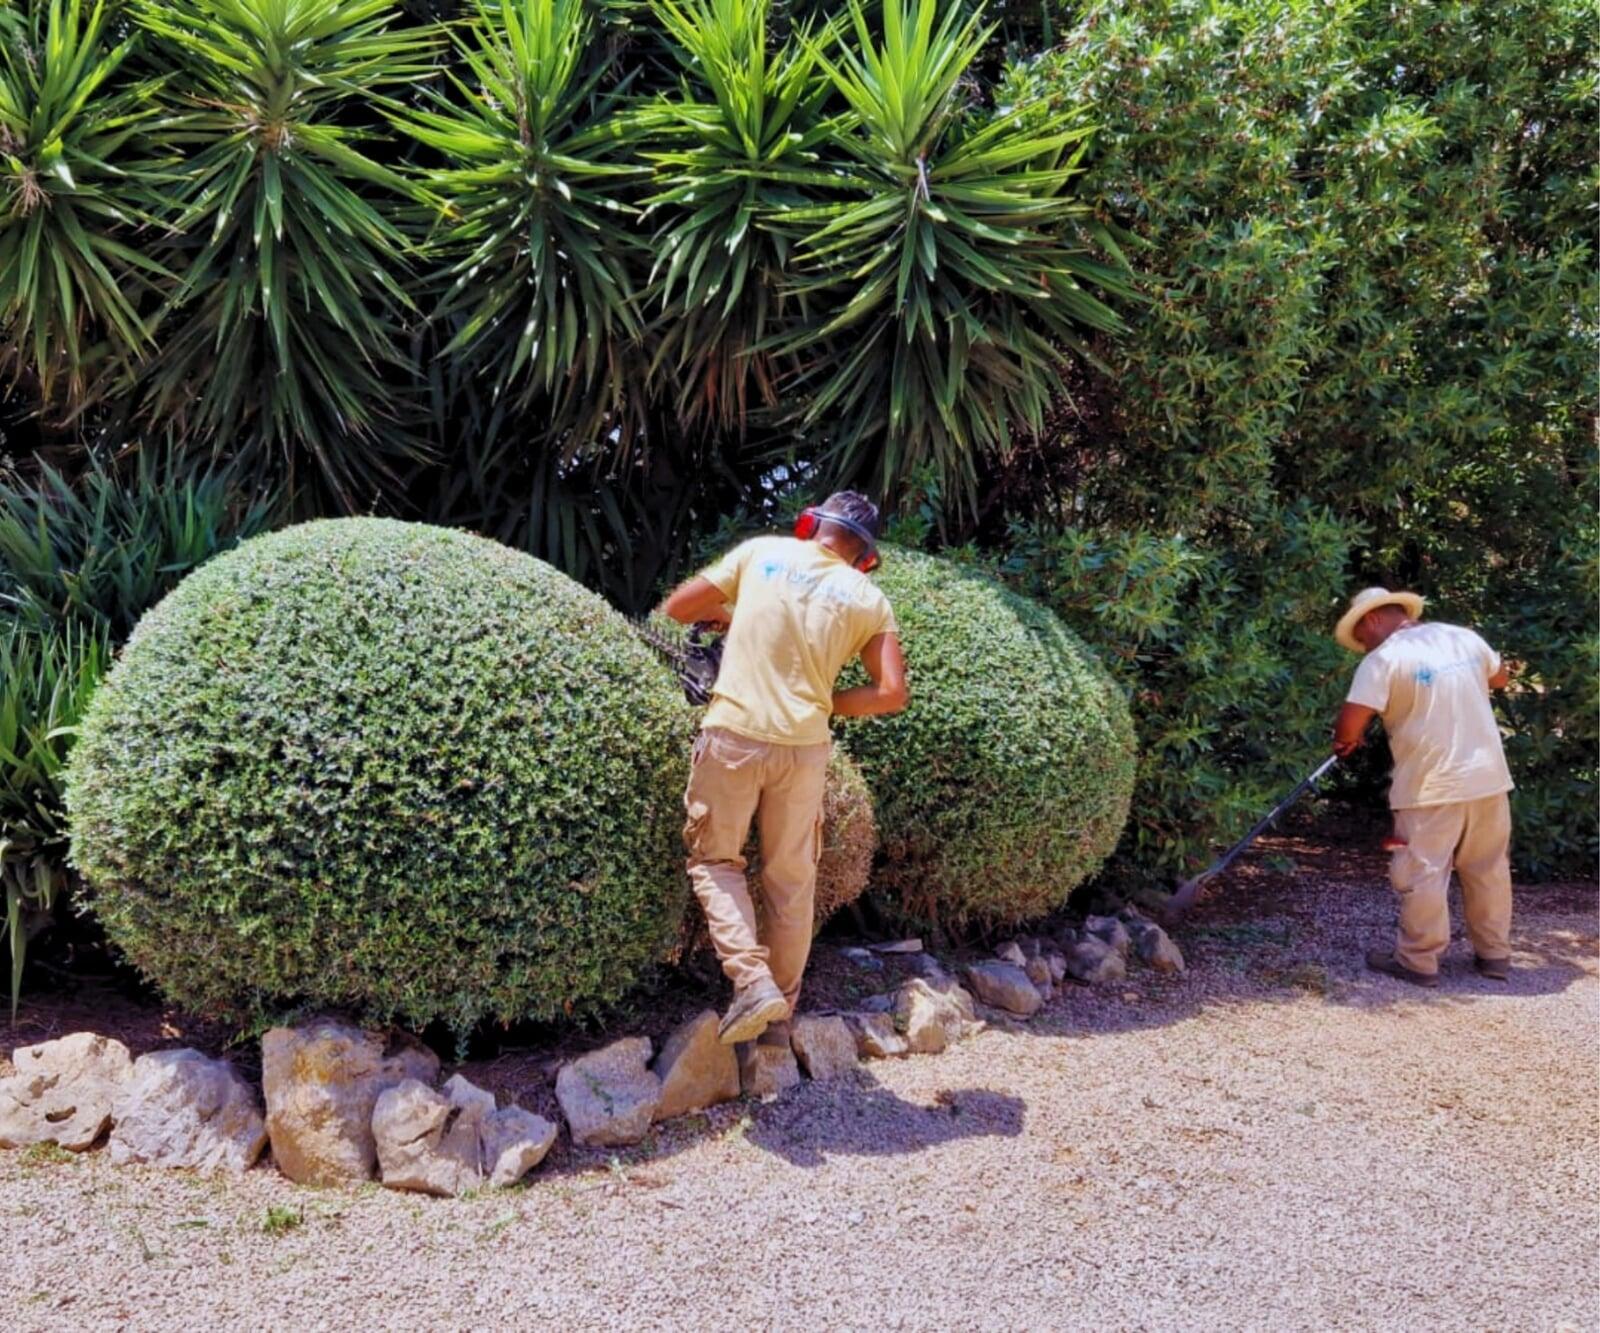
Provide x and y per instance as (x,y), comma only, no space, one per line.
(1366,356)
(1005,783)
(388,767)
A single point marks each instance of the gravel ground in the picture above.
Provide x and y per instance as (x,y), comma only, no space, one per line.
(1277,1140)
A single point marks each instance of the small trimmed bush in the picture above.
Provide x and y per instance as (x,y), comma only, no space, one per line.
(1006,782)
(389,768)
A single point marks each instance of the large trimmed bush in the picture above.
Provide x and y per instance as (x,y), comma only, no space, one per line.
(385,767)
(1006,782)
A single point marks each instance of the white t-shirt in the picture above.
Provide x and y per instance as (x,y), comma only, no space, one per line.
(1431,684)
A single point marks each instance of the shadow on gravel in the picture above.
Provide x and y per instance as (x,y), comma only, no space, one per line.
(870,1121)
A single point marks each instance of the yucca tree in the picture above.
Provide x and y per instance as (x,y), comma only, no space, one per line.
(537,284)
(284,336)
(743,135)
(76,180)
(955,262)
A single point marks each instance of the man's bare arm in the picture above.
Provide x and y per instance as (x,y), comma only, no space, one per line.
(887,693)
(697,601)
(1351,727)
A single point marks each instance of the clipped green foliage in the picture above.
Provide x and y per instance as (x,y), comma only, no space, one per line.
(390,768)
(1005,784)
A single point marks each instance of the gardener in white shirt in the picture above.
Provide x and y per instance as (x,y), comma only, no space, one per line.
(1430,683)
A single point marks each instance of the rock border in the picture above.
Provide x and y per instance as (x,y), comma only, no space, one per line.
(343,1104)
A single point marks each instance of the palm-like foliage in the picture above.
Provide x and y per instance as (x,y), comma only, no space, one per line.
(744,138)
(291,306)
(75,179)
(102,548)
(956,281)
(46,681)
(537,285)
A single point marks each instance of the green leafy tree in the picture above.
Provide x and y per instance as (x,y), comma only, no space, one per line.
(1365,356)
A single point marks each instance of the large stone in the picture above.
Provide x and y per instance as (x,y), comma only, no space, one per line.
(875,1035)
(696,1070)
(1005,986)
(609,1096)
(930,1018)
(1110,930)
(1011,952)
(1157,950)
(1095,962)
(184,1109)
(825,1047)
(1056,961)
(765,1069)
(449,1142)
(321,1082)
(64,1091)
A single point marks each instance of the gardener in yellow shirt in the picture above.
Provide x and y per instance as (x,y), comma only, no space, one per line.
(796,610)
(1430,683)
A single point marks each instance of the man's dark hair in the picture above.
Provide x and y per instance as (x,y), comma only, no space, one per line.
(854,506)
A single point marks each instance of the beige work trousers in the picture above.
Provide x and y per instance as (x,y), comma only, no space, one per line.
(735,779)
(1474,836)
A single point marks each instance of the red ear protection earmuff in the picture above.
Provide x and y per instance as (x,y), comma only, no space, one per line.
(805,528)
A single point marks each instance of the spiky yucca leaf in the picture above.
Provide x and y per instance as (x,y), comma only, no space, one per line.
(742,136)
(76,178)
(291,304)
(956,259)
(46,681)
(537,284)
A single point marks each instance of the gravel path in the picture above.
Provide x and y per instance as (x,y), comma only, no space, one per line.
(1275,1141)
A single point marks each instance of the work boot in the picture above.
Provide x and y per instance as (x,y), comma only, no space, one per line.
(753,1007)
(1383,960)
(1496,969)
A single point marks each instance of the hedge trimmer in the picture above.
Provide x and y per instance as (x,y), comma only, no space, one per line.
(696,656)
(1183,899)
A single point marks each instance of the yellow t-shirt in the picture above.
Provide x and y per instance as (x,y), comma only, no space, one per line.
(1431,684)
(799,614)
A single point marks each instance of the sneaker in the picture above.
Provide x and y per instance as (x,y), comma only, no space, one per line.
(1496,969)
(1383,960)
(753,1008)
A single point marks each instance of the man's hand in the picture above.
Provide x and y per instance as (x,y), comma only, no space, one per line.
(698,602)
(887,693)
(1351,728)
(1502,677)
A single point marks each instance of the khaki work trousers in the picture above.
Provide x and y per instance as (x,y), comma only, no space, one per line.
(733,780)
(1474,836)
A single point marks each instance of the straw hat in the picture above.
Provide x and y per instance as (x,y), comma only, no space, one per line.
(1370,599)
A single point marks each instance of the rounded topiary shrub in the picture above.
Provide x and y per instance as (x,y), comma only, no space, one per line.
(385,767)
(1006,782)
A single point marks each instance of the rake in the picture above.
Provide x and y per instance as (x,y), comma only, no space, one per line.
(1183,899)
